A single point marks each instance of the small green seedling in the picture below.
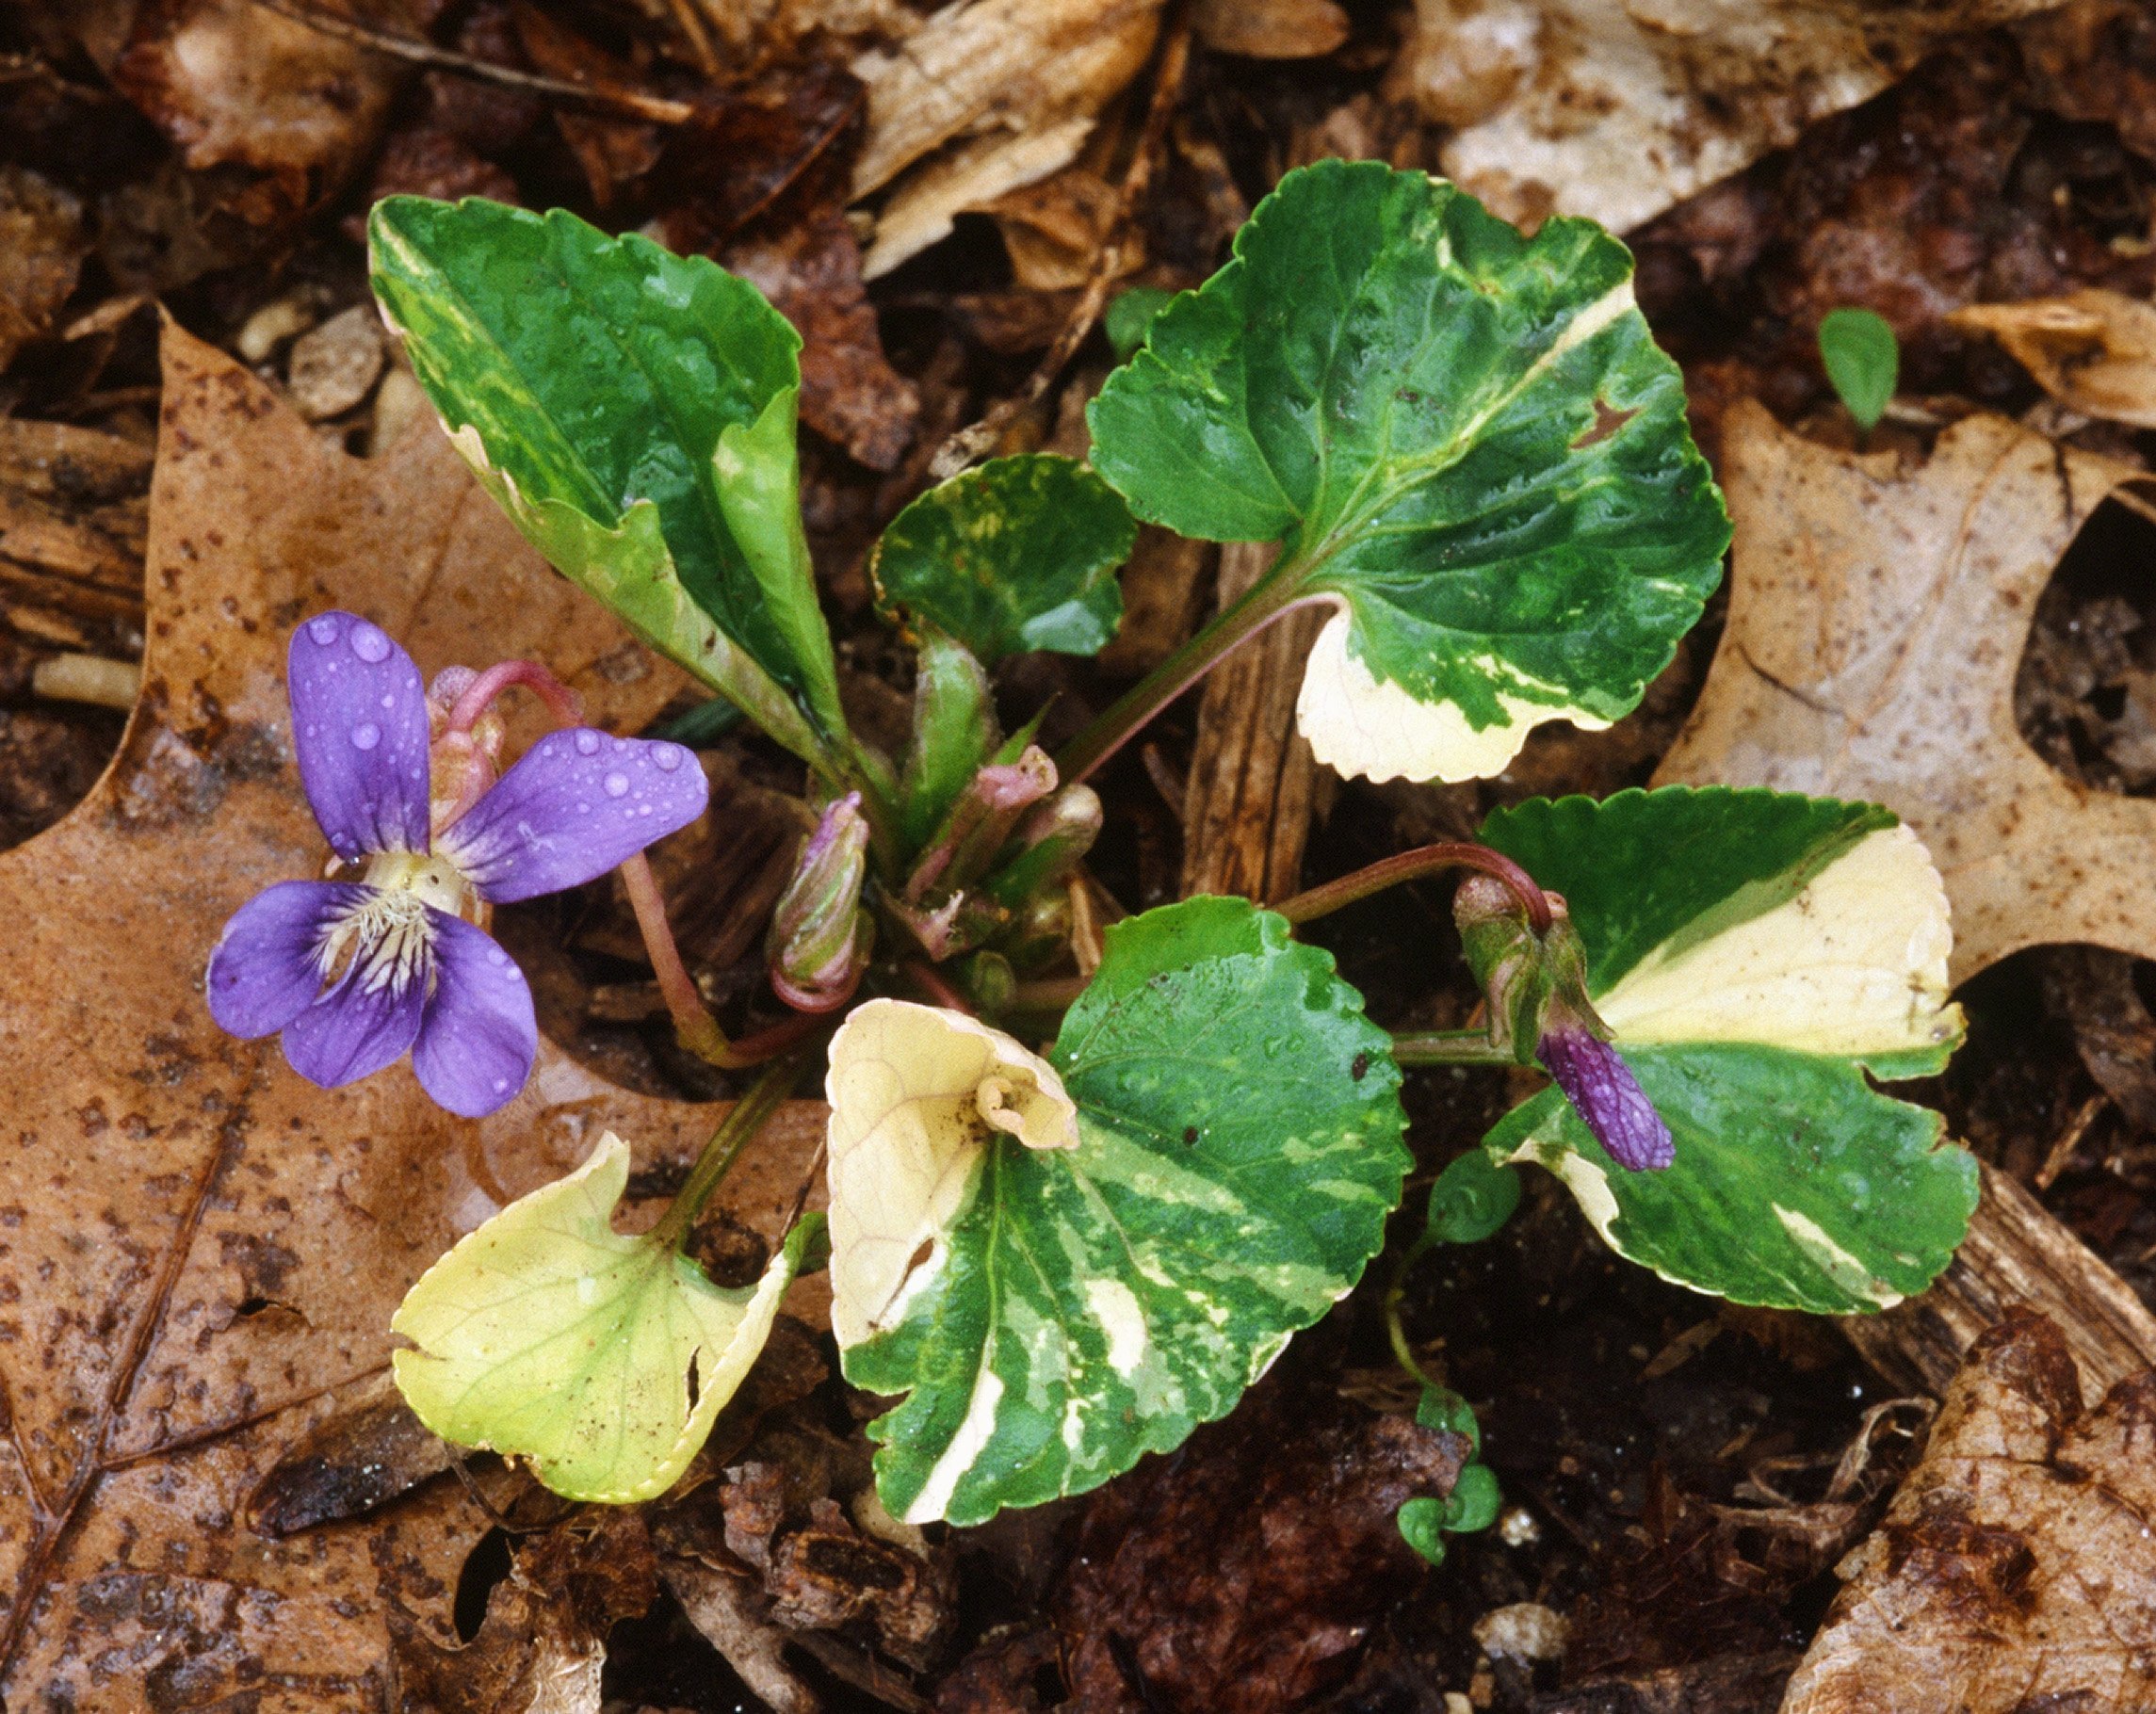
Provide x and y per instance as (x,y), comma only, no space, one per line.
(1863,360)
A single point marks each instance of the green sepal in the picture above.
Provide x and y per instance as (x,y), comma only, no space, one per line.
(599,1359)
(954,730)
(1016,554)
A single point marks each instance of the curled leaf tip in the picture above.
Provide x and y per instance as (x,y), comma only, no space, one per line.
(1607,1096)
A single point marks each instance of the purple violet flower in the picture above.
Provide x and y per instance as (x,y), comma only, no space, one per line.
(357,972)
(1605,1094)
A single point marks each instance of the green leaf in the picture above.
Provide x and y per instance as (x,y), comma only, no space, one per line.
(1016,554)
(1421,1522)
(1472,1198)
(1466,438)
(1208,1157)
(1760,957)
(633,413)
(1443,1409)
(603,1360)
(1474,1502)
(954,730)
(1862,359)
(1130,315)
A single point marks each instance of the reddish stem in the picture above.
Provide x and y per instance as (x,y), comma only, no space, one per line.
(934,985)
(565,705)
(1414,865)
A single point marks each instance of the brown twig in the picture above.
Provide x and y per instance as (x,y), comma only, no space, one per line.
(657,108)
(967,444)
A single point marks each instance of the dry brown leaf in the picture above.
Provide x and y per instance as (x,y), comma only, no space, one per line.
(1619,108)
(1270,29)
(235,83)
(1011,87)
(198,1246)
(810,268)
(1055,228)
(74,511)
(1877,617)
(2015,1569)
(42,248)
(2092,350)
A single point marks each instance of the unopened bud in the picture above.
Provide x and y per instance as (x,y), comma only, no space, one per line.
(463,766)
(820,937)
(1053,841)
(1536,986)
(979,821)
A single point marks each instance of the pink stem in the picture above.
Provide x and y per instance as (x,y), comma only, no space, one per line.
(565,705)
(694,1026)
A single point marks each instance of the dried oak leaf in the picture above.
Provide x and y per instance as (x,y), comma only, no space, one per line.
(2092,350)
(196,1247)
(1241,1575)
(1877,617)
(1619,111)
(2016,1570)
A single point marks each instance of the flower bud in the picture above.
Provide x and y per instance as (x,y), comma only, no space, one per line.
(820,937)
(1536,986)
(1051,842)
(463,766)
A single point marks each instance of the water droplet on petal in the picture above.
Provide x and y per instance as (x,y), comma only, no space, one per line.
(371,643)
(500,1084)
(323,630)
(389,701)
(617,785)
(587,743)
(620,745)
(365,735)
(667,757)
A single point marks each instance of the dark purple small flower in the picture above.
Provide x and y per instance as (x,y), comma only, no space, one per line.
(1605,1094)
(358,972)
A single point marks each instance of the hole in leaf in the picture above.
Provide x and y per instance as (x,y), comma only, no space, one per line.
(486,1565)
(2084,691)
(695,1387)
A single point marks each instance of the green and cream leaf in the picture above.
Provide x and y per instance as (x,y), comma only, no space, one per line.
(1214,1147)
(633,413)
(602,1360)
(1466,439)
(1017,554)
(1760,957)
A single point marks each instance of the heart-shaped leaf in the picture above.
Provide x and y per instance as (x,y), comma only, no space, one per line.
(1757,954)
(1466,438)
(604,1360)
(1214,1149)
(1016,554)
(633,412)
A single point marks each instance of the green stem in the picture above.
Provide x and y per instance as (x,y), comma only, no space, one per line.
(1413,866)
(1265,600)
(743,1122)
(1450,1047)
(1396,1289)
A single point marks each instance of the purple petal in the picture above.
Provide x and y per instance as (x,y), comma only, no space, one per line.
(266,970)
(359,726)
(479,1035)
(365,1020)
(577,803)
(1607,1097)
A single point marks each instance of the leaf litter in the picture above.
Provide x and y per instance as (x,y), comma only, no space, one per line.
(1869,226)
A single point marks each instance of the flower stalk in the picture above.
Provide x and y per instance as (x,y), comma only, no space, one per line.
(742,1123)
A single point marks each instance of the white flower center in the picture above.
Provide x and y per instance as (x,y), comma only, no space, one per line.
(388,936)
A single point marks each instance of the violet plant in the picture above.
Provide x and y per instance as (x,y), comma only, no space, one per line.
(1060,1255)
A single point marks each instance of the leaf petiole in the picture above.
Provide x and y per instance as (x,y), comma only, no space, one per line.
(1413,866)
(1274,594)
(746,1118)
(1450,1047)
